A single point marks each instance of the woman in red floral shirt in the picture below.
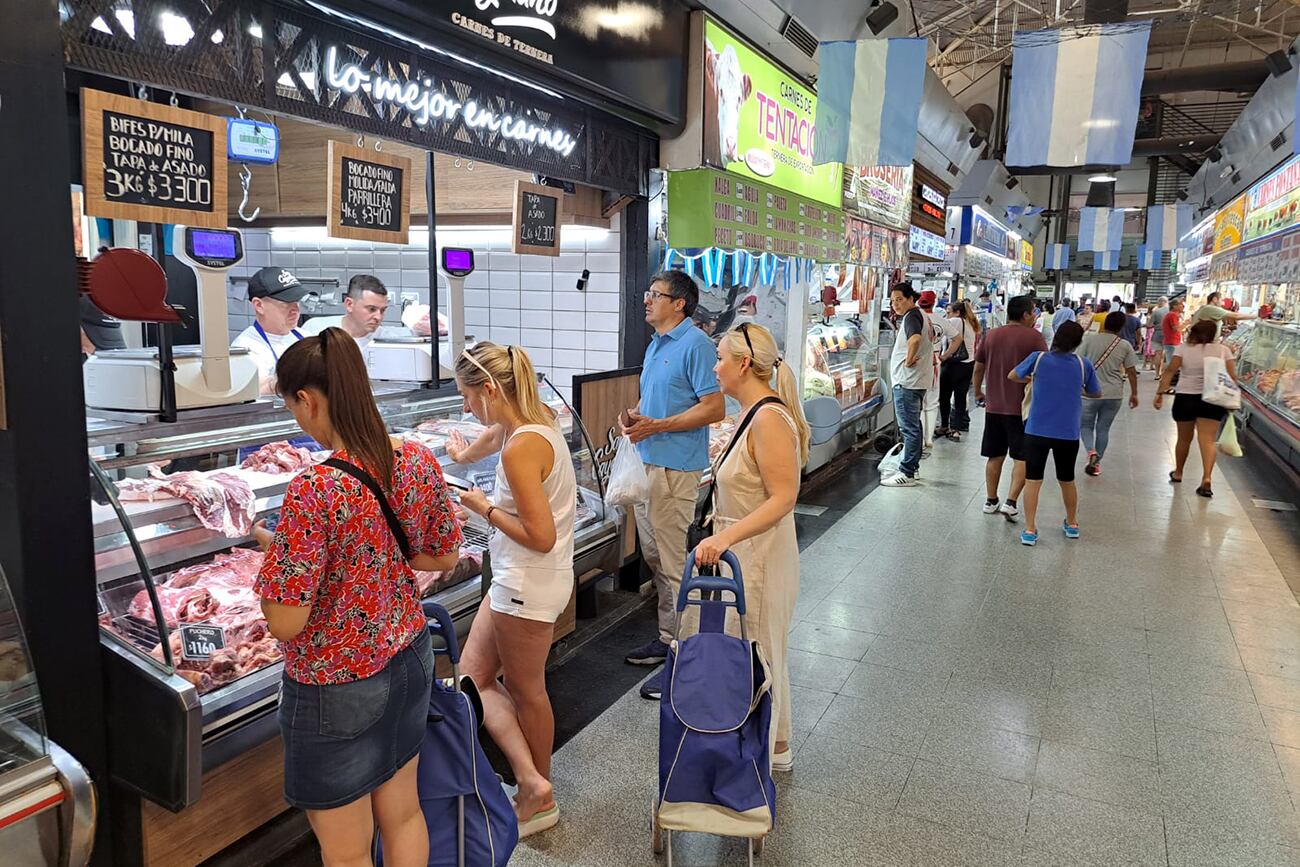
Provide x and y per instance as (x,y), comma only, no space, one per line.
(339,593)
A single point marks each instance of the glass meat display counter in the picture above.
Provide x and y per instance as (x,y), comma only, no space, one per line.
(47,802)
(193,673)
(1268,365)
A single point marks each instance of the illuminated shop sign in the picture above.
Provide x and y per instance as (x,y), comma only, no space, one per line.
(427,103)
(927,244)
(933,196)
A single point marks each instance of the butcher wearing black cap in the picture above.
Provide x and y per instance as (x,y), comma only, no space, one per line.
(274,294)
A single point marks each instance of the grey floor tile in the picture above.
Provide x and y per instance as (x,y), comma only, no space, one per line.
(980,703)
(1126,694)
(816,671)
(1289,759)
(1103,730)
(807,707)
(919,656)
(1099,776)
(874,681)
(966,799)
(830,640)
(1286,639)
(1165,647)
(1278,663)
(1277,691)
(1192,677)
(846,616)
(1093,832)
(1283,726)
(897,725)
(1191,845)
(851,771)
(1002,753)
(1212,713)
(1111,661)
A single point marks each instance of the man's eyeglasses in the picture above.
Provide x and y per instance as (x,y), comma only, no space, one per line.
(651,294)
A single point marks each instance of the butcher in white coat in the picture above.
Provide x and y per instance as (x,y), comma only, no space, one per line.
(274,294)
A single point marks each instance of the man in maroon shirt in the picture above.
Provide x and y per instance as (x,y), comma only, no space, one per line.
(1004,431)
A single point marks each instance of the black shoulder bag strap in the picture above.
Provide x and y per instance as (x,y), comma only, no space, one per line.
(704,510)
(394,525)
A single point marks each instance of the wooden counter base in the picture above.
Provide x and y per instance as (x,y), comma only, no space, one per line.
(237,798)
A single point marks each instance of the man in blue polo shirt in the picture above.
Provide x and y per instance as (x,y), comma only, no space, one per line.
(679,400)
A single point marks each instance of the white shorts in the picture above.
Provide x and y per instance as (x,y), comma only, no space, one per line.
(545,599)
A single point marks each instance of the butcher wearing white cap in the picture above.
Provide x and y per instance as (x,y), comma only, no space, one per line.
(274,294)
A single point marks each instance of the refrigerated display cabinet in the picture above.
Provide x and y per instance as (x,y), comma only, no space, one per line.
(174,718)
(47,802)
(841,383)
(1268,365)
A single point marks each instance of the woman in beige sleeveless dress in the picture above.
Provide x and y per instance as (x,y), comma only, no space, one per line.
(758,483)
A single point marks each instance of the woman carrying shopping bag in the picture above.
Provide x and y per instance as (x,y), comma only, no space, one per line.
(753,508)
(1192,414)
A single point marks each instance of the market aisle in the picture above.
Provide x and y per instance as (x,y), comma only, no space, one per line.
(1133,697)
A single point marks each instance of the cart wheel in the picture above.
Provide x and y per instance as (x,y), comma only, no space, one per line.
(884,444)
(656,833)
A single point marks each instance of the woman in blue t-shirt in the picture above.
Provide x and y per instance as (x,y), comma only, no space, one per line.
(1053,414)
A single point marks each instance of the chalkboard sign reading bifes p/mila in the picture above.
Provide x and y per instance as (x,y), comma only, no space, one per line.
(369,194)
(153,163)
(538,212)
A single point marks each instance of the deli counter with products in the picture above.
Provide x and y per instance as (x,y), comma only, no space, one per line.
(1268,366)
(193,674)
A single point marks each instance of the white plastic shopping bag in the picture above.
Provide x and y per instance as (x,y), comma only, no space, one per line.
(892,461)
(628,483)
(1228,442)
(1219,388)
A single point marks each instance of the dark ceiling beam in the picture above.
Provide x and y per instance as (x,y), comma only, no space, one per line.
(1243,77)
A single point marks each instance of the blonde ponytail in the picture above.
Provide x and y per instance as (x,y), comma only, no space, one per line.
(787,388)
(510,369)
(758,345)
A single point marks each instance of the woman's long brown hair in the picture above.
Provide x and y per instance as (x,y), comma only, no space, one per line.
(331,363)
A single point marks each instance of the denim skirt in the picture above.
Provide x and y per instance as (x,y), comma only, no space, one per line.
(342,741)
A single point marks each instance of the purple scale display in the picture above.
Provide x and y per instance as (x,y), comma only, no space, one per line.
(213,245)
(455,259)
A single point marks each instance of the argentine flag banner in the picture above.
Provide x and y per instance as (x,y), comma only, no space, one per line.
(1148,257)
(1056,257)
(1101,228)
(868,101)
(1106,260)
(1166,224)
(1075,94)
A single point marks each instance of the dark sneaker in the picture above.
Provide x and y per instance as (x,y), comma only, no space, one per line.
(653,653)
(653,689)
(1094,465)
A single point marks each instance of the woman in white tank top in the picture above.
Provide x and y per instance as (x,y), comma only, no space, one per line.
(531,515)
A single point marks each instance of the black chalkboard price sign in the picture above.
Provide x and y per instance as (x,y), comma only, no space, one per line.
(153,163)
(538,212)
(369,194)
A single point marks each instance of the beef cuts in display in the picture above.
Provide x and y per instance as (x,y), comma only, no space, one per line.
(221,501)
(280,458)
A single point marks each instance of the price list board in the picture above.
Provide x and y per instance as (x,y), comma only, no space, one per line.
(153,163)
(537,214)
(713,209)
(369,194)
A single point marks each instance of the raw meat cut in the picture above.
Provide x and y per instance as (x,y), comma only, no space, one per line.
(221,501)
(471,430)
(179,605)
(469,565)
(281,457)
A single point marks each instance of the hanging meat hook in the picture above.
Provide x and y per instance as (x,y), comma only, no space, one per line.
(245,179)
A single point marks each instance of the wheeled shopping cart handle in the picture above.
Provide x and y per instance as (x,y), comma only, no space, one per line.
(734,585)
(446,630)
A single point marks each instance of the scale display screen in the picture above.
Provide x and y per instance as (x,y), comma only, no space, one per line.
(215,248)
(457,261)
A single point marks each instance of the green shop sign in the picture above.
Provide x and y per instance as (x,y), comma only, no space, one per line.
(707,208)
(759,122)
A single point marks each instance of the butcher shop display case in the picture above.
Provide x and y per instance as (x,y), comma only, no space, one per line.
(1268,365)
(841,382)
(194,675)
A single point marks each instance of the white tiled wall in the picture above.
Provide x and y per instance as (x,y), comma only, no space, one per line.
(529,301)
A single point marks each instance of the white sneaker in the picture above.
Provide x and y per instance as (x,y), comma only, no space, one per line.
(783,762)
(1008,511)
(898,480)
(991,508)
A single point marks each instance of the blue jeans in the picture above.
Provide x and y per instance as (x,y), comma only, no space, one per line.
(907,408)
(1098,416)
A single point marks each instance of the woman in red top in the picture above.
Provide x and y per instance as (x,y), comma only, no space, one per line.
(340,595)
(1171,329)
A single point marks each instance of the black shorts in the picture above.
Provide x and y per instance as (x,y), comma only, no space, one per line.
(1190,407)
(1065,454)
(1003,434)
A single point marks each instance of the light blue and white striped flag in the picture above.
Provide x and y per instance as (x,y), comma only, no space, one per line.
(1166,224)
(1056,257)
(1148,257)
(1075,94)
(868,101)
(1105,260)
(1101,228)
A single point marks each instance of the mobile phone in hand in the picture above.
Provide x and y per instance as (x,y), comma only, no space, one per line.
(272,521)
